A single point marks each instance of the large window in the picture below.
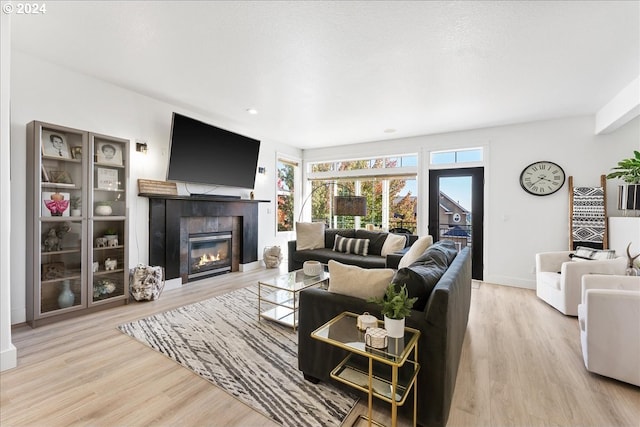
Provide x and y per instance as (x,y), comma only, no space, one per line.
(388,183)
(285,190)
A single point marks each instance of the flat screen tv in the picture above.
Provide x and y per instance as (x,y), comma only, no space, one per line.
(204,154)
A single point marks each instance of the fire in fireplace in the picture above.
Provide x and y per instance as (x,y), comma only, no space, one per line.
(209,254)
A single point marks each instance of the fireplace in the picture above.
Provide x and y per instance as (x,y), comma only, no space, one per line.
(209,254)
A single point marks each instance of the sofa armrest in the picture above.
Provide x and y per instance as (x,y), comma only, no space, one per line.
(393,259)
(609,282)
(291,249)
(551,261)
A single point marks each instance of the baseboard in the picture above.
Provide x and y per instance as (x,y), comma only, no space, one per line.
(510,281)
(173,283)
(9,358)
(256,265)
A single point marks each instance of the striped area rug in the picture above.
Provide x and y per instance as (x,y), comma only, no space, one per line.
(221,340)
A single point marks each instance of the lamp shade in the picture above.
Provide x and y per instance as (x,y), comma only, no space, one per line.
(350,205)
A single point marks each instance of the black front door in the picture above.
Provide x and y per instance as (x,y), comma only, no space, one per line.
(456,210)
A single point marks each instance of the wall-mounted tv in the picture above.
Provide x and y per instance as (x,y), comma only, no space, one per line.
(204,154)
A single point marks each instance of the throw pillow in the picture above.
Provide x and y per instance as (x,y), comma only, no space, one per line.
(418,247)
(583,253)
(309,235)
(358,282)
(604,254)
(393,243)
(351,246)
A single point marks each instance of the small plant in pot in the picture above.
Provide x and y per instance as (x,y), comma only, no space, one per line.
(629,171)
(110,233)
(76,206)
(395,306)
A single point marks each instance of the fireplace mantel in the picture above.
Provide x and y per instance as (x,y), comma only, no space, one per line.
(166,212)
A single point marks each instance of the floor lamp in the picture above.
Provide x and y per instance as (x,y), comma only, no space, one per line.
(350,205)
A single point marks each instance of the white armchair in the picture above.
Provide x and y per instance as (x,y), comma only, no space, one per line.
(609,318)
(558,278)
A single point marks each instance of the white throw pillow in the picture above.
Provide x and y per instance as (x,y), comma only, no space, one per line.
(414,252)
(358,282)
(309,235)
(393,243)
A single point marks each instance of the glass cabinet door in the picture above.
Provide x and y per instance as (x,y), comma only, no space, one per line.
(59,230)
(109,272)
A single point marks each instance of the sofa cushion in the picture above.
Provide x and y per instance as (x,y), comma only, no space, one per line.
(358,282)
(418,247)
(376,240)
(584,253)
(393,243)
(330,235)
(351,246)
(324,255)
(423,275)
(444,250)
(309,235)
(549,278)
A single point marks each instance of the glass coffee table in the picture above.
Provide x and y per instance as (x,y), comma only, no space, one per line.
(388,374)
(281,293)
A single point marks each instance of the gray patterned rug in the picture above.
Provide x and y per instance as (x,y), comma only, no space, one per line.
(221,340)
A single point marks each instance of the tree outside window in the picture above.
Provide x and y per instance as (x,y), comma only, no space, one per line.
(397,193)
(285,194)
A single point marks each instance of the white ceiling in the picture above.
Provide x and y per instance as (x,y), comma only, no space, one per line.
(327,73)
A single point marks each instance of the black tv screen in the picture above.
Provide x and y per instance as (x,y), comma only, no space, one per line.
(204,154)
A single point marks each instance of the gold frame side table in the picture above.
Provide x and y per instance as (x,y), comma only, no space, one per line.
(389,374)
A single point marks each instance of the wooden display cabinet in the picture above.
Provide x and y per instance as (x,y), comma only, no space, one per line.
(63,168)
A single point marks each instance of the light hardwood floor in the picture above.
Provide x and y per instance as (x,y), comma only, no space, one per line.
(521,366)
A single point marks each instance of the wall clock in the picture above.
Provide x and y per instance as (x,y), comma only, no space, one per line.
(542,178)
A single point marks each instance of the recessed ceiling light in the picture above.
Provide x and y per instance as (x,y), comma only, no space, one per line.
(390,130)
(252,111)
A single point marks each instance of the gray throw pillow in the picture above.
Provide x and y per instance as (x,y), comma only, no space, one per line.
(351,246)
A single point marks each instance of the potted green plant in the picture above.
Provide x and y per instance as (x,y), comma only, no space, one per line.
(629,171)
(395,306)
(110,233)
(76,206)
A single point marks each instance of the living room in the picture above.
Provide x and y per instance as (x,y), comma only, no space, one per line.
(517,225)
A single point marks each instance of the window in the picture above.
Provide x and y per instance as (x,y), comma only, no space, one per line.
(388,183)
(285,191)
(470,155)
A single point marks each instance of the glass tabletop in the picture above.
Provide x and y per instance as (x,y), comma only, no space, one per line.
(342,331)
(295,280)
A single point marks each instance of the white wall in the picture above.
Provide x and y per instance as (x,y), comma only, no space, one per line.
(46,92)
(518,225)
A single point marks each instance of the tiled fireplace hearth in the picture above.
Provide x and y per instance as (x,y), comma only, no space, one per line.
(178,226)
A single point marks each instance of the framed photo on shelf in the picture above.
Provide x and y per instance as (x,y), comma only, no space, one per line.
(109,153)
(107,178)
(45,175)
(60,177)
(54,144)
(55,203)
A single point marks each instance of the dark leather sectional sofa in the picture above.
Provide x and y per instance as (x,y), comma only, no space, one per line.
(442,324)
(373,259)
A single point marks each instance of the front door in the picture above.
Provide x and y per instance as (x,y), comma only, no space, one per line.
(456,210)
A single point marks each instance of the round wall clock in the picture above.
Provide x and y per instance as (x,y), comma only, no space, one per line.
(542,178)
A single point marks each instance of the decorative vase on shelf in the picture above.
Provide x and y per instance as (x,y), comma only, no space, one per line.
(103,210)
(394,327)
(66,297)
